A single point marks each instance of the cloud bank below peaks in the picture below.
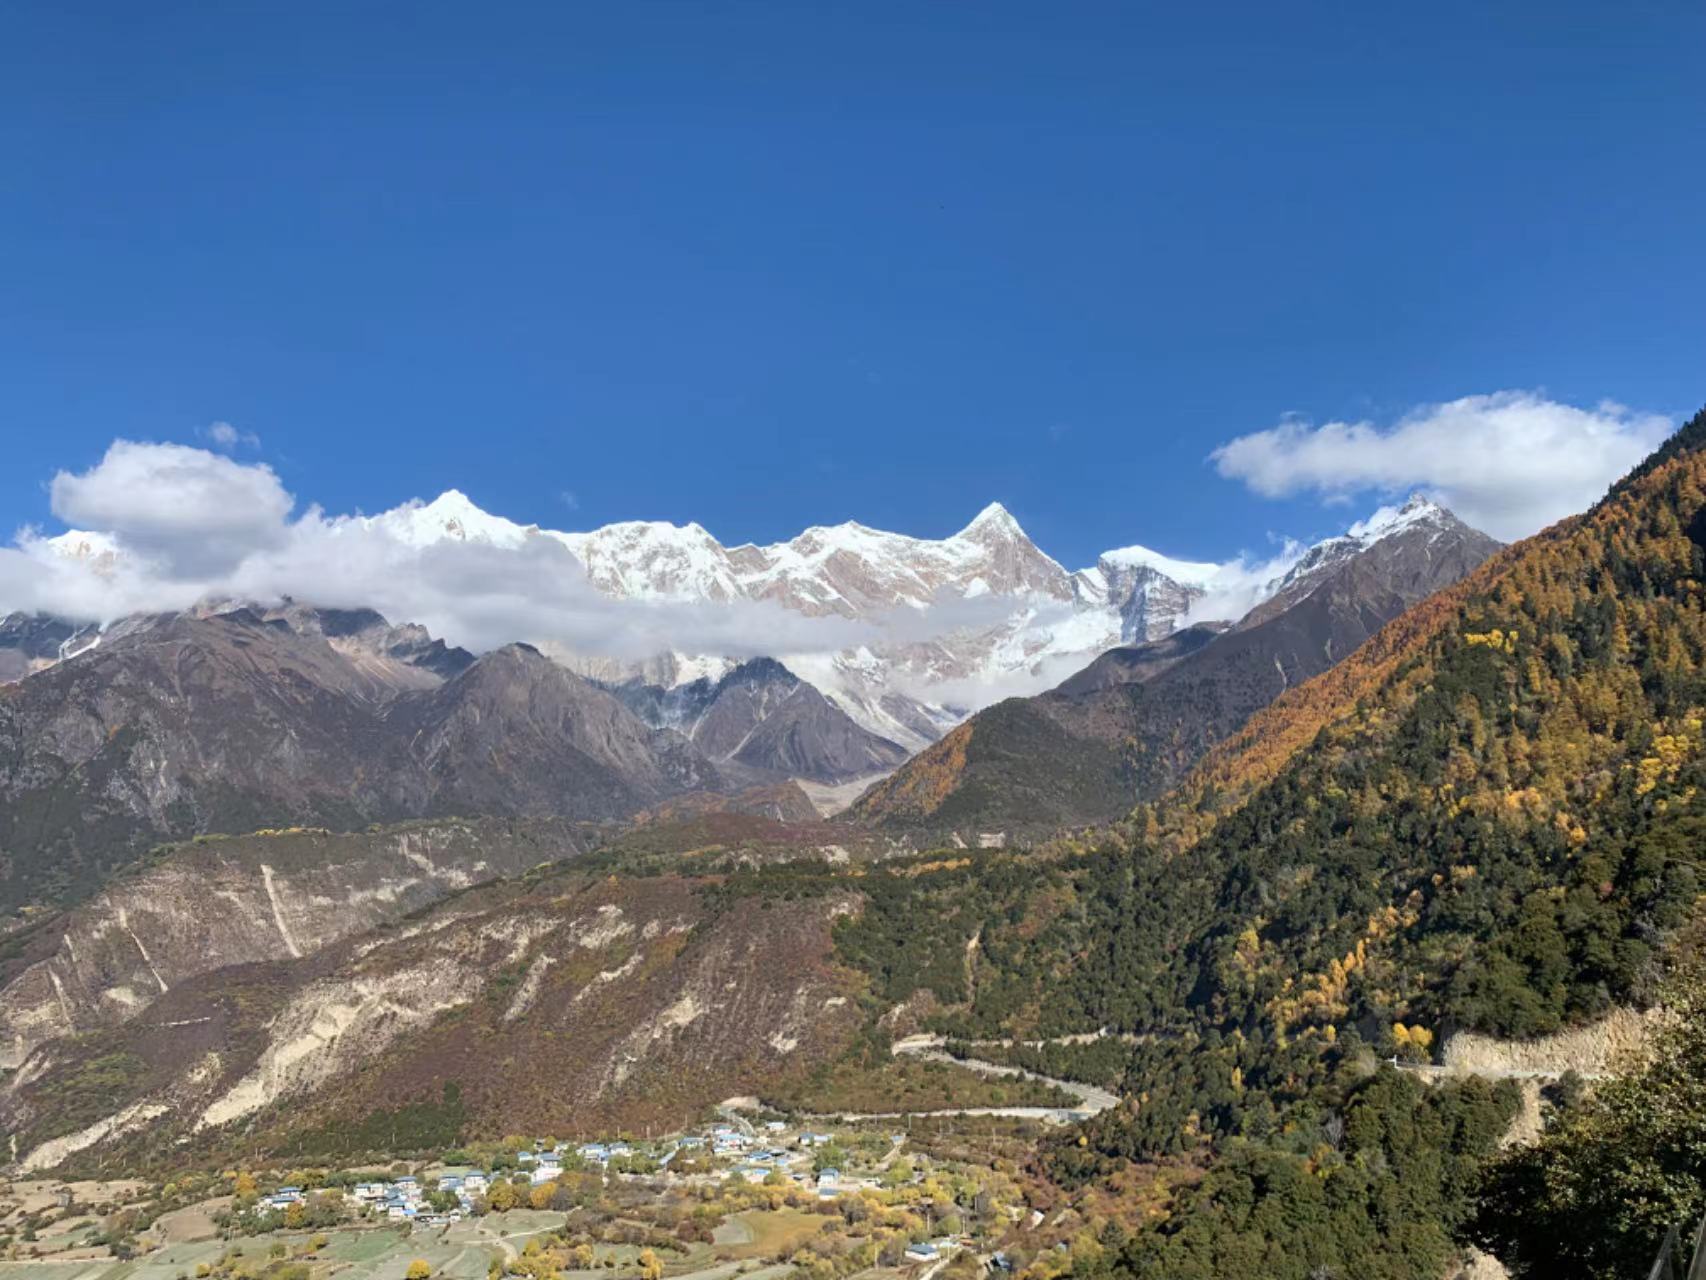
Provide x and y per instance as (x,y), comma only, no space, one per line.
(161,527)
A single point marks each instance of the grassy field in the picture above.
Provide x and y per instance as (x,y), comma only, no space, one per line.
(761,1233)
(382,1254)
(461,1251)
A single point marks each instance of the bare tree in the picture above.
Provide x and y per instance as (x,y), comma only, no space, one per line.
(1333,1129)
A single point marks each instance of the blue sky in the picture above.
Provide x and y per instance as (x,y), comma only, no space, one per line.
(769,265)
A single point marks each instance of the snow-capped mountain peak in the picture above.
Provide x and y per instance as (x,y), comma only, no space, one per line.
(97,550)
(450,516)
(1032,619)
(994,521)
(1194,573)
(655,560)
(1418,513)
(1418,509)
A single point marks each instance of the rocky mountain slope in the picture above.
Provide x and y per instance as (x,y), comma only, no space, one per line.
(675,997)
(31,642)
(178,725)
(173,725)
(763,718)
(365,637)
(278,895)
(1132,722)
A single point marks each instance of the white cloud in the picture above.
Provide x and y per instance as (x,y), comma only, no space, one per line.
(227,437)
(1508,463)
(480,595)
(1240,584)
(179,525)
(193,513)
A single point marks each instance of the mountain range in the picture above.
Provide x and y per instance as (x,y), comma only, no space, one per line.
(927,624)
(943,618)
(230,721)
(235,716)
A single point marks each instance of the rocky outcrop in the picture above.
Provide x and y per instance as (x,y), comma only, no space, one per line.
(31,642)
(1614,1043)
(366,636)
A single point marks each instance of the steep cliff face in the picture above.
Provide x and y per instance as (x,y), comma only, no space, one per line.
(407,653)
(244,900)
(32,642)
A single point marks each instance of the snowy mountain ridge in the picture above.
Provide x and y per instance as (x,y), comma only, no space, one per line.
(1011,618)
(947,624)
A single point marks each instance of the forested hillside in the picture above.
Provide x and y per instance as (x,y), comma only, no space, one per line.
(1489,818)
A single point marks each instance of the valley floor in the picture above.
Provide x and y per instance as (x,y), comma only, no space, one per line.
(462,1251)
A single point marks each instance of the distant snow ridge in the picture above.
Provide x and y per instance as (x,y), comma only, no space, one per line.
(973,616)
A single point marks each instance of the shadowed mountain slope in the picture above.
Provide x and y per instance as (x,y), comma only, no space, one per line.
(179,725)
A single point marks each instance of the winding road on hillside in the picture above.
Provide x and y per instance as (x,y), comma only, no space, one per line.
(1091,1099)
(1440,1071)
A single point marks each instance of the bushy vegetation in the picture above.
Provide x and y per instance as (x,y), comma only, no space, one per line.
(1375,1194)
(86,1082)
(1102,1062)
(411,1127)
(870,1079)
(1615,1168)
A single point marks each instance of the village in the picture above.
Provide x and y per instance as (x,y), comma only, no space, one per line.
(737,1196)
(771,1153)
